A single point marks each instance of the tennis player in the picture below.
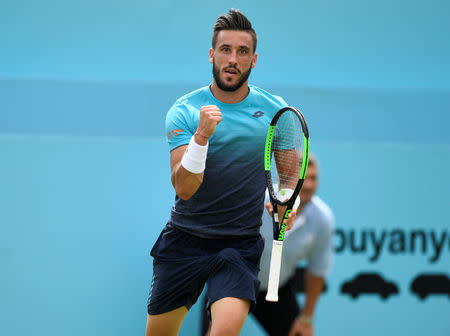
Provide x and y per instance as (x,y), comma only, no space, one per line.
(309,239)
(216,137)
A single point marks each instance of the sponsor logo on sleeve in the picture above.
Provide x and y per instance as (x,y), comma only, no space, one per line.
(174,132)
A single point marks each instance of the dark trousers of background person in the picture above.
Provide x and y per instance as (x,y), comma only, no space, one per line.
(275,317)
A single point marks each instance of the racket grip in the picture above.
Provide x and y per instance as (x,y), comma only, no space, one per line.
(274,271)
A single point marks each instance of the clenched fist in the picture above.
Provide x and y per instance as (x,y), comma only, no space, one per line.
(210,117)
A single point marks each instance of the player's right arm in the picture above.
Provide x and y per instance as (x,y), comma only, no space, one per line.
(186,182)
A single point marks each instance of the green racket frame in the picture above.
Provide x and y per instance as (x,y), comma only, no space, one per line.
(279,232)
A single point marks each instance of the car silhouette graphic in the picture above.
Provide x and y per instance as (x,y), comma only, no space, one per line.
(369,283)
(430,283)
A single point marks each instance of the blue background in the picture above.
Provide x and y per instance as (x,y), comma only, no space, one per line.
(84,165)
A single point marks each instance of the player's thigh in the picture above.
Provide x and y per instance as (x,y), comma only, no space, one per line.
(166,324)
(228,316)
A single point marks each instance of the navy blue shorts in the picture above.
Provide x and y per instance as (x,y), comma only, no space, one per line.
(183,263)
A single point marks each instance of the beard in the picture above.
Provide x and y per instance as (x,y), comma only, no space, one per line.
(224,86)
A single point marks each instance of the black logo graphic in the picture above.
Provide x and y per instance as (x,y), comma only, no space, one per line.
(258,114)
(369,283)
(431,283)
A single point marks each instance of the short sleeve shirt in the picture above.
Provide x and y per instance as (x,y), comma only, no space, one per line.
(230,200)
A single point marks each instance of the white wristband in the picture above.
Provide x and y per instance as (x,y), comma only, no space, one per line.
(195,157)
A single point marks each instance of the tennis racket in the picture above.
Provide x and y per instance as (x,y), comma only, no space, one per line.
(285,163)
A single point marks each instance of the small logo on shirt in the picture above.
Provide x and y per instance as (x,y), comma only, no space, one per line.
(174,132)
(258,114)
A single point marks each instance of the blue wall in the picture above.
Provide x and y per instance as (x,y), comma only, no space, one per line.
(84,166)
(348,43)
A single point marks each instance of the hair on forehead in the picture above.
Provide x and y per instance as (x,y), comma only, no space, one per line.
(233,20)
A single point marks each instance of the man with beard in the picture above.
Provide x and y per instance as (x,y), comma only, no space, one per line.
(216,136)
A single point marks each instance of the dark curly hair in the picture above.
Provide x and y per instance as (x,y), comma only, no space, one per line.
(233,20)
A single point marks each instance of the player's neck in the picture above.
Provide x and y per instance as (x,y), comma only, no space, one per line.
(230,97)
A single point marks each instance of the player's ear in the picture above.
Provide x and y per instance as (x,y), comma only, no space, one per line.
(211,55)
(255,58)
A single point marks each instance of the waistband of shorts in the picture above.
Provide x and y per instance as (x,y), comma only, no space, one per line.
(193,236)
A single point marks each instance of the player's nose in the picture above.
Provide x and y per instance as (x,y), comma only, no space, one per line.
(233,57)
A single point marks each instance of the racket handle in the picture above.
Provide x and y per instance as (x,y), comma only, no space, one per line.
(274,271)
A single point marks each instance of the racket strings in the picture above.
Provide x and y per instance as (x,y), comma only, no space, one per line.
(287,153)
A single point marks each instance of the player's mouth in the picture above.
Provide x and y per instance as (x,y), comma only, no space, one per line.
(231,71)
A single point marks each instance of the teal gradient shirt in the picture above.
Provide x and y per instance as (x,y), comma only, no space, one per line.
(230,200)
